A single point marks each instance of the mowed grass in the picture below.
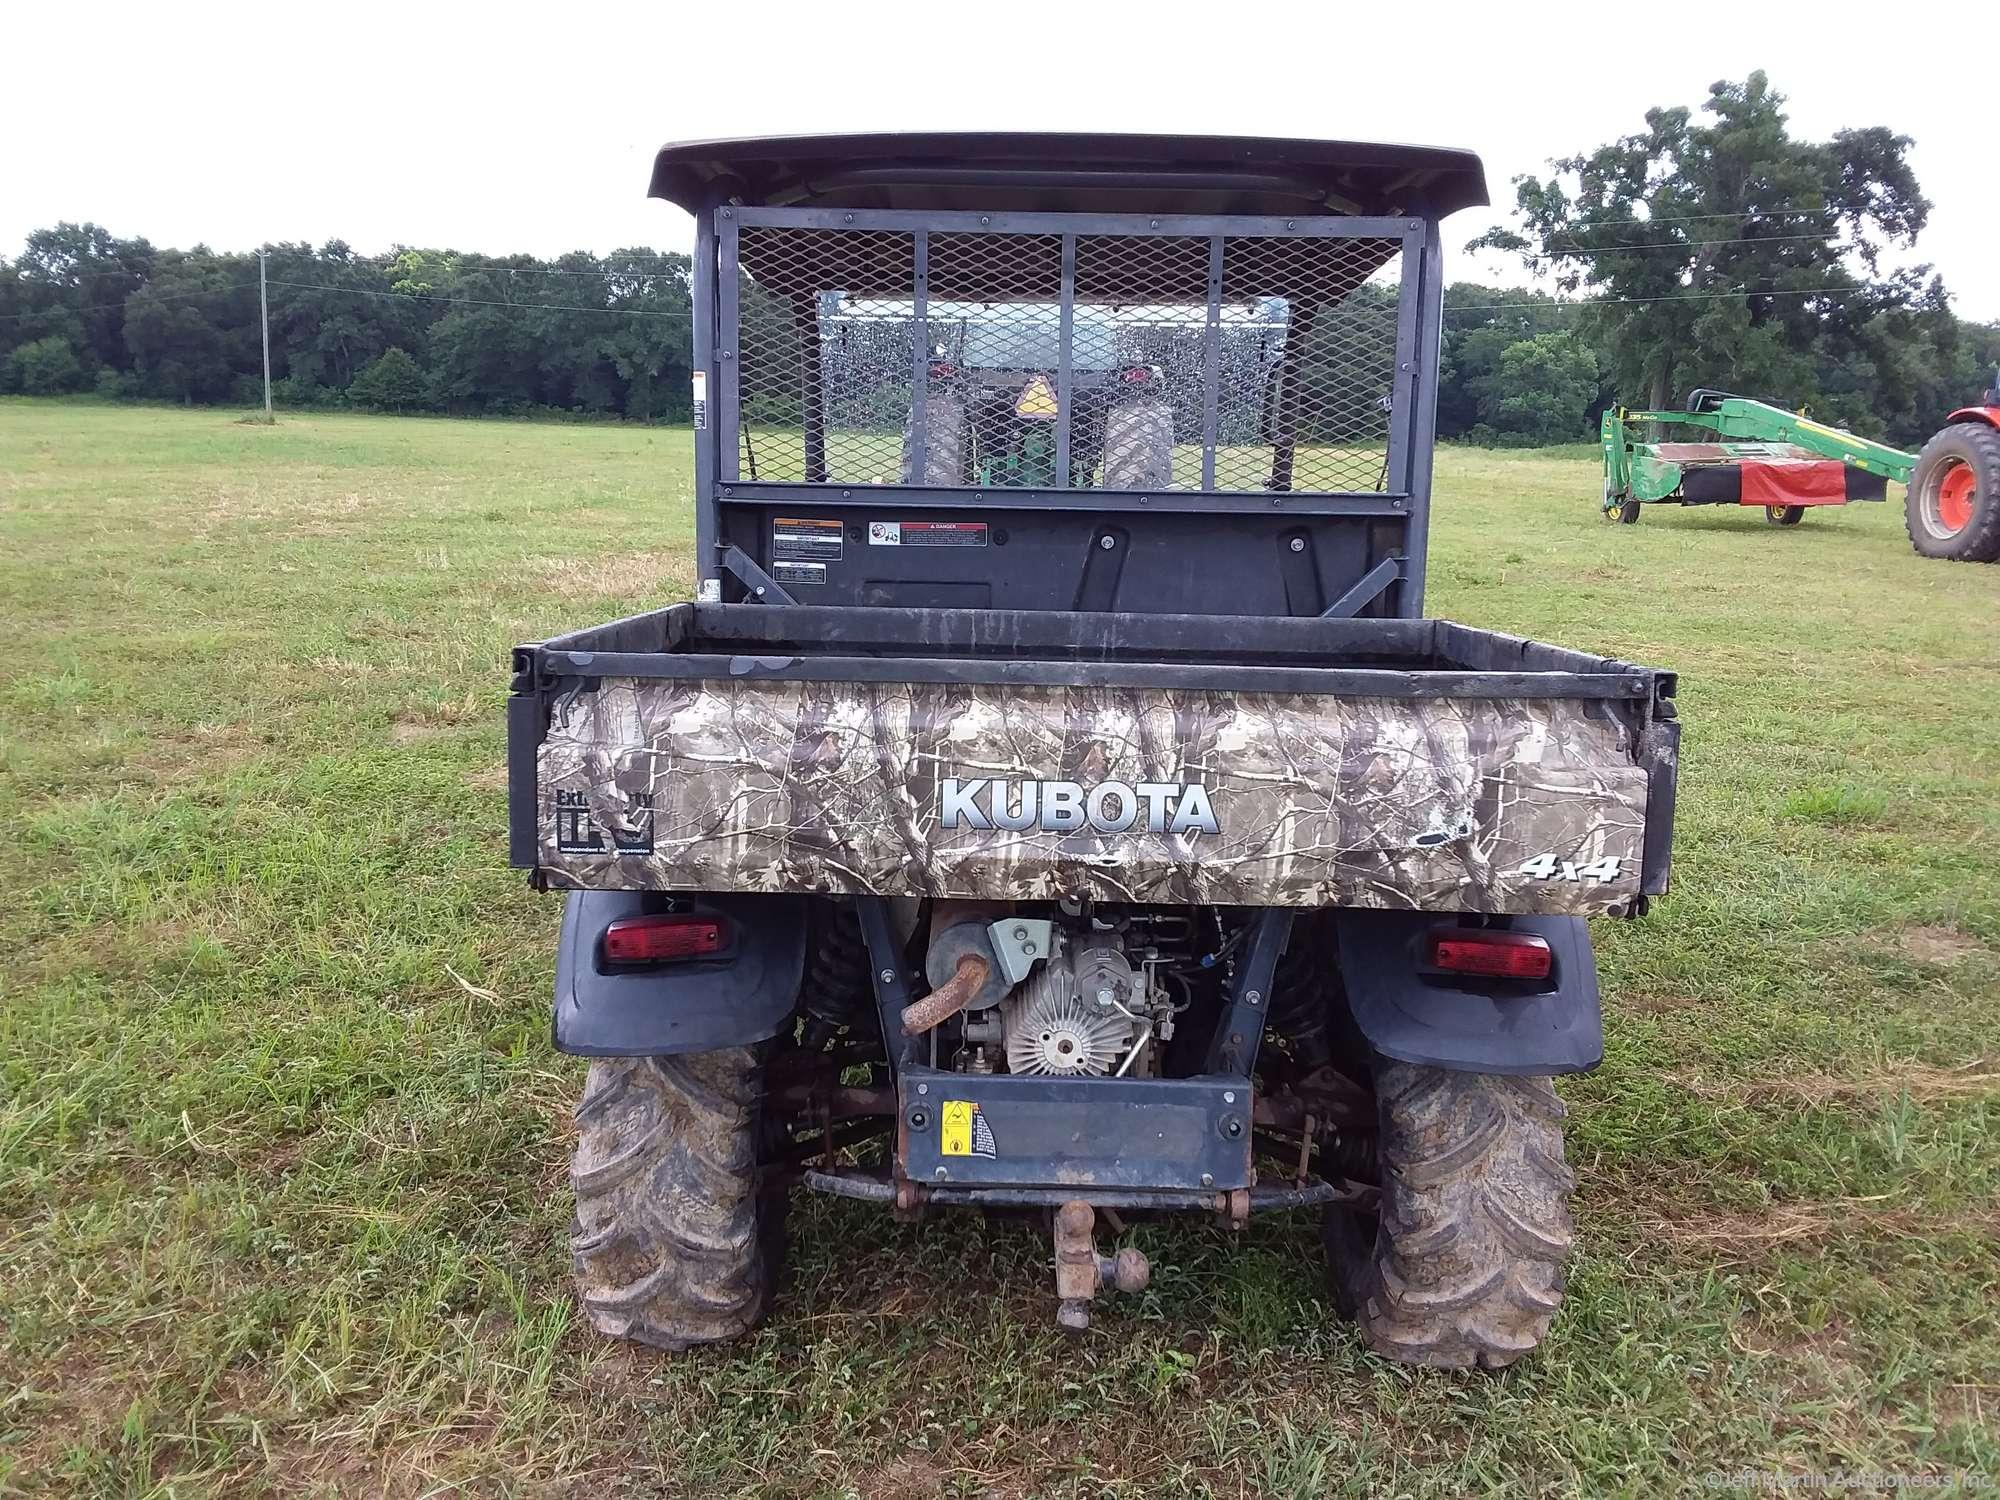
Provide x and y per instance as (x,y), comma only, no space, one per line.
(283,1141)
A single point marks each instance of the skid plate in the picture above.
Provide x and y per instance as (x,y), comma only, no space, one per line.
(1018,1130)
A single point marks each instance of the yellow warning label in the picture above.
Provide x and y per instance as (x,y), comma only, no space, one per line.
(1037,399)
(1833,432)
(956,1137)
(963,1131)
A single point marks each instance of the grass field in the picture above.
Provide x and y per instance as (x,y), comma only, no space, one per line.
(283,1142)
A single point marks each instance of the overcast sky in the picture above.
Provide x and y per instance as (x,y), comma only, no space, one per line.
(507,128)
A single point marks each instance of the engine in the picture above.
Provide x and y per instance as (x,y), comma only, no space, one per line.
(1093,998)
(1074,1015)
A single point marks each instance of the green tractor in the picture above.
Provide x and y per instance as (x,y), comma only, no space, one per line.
(1743,452)
(991,404)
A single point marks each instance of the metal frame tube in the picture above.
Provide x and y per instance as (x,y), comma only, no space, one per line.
(1211,364)
(1065,374)
(972,497)
(729,328)
(1240,1031)
(1429,293)
(1264,1199)
(812,389)
(705,308)
(1164,226)
(920,370)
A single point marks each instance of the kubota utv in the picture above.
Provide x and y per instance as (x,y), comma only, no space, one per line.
(1759,454)
(1055,800)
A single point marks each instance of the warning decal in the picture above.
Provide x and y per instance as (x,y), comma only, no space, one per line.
(963,1130)
(927,533)
(700,381)
(1037,400)
(805,539)
(799,572)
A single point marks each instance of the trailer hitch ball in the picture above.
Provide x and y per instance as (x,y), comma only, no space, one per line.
(1081,1272)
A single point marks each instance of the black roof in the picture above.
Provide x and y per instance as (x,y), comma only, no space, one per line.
(1059,173)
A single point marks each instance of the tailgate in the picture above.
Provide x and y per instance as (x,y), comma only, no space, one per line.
(1380,770)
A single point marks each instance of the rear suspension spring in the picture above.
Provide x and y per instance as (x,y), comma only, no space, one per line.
(835,993)
(1301,992)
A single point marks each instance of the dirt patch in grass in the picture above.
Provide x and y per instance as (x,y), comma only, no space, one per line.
(632,575)
(914,1476)
(1746,1234)
(1823,1351)
(209,750)
(413,732)
(1654,1004)
(1932,944)
(491,778)
(307,1465)
(1919,1081)
(422,725)
(76,1397)
(135,945)
(227,505)
(1975,1405)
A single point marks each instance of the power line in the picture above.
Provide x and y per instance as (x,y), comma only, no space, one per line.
(622,269)
(465,270)
(1555,306)
(1753,213)
(355,291)
(1744,239)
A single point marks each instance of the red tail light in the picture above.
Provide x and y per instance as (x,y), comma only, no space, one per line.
(1493,952)
(663,938)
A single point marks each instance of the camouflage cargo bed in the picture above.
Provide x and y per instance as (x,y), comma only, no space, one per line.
(1002,755)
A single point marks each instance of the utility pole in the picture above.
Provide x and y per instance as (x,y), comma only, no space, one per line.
(264,316)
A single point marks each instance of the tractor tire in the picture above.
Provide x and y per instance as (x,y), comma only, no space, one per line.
(1784,515)
(1139,446)
(1463,1264)
(946,459)
(675,1242)
(1628,513)
(1952,510)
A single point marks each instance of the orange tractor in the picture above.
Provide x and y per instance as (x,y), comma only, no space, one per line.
(1953,507)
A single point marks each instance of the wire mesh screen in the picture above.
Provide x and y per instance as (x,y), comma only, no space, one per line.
(1175,362)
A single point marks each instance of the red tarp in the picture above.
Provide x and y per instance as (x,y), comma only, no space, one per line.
(1823,482)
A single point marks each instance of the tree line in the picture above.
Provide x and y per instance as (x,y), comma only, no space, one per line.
(1709,249)
(82,310)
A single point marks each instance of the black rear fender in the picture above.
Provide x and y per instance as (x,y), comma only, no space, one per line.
(1471,1025)
(743,995)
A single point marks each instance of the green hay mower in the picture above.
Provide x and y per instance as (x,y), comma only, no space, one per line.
(1737,451)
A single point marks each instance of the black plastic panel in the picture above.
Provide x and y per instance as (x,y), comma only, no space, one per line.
(1472,1026)
(1023,559)
(1077,1132)
(744,997)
